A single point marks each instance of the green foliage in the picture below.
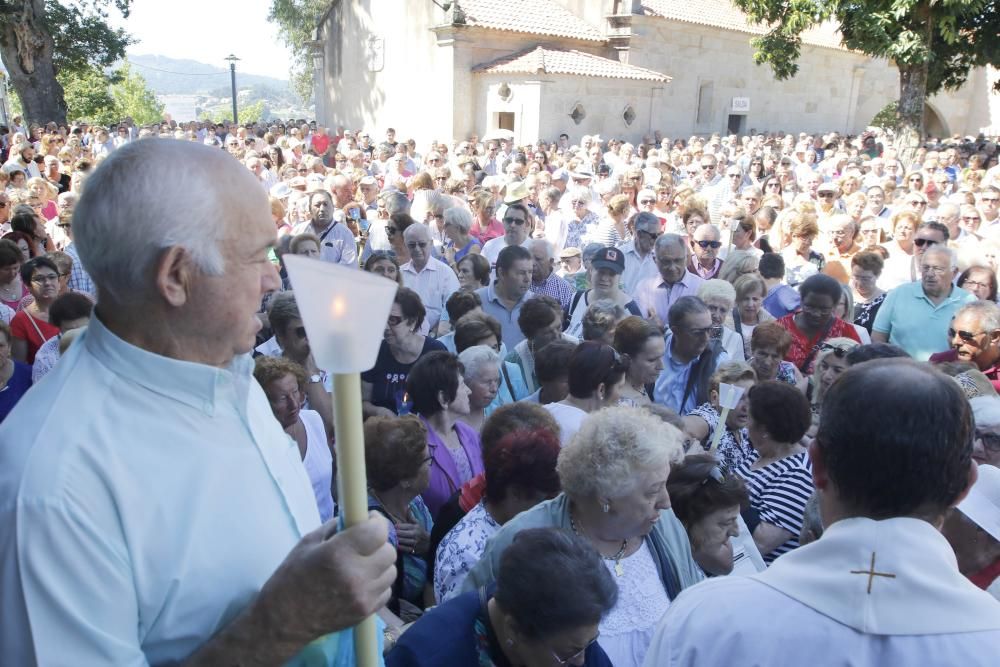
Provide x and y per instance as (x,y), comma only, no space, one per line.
(296,21)
(102,98)
(251,113)
(88,95)
(887,118)
(134,99)
(81,35)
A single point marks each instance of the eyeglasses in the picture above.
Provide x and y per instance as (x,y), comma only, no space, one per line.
(702,332)
(41,279)
(916,202)
(966,336)
(975,284)
(390,231)
(645,202)
(826,195)
(773,184)
(709,244)
(915,178)
(514,221)
(970,218)
(733,175)
(413,245)
(300,332)
(936,270)
(840,351)
(578,202)
(920,243)
(990,200)
(565,661)
(394,320)
(991,441)
(706,167)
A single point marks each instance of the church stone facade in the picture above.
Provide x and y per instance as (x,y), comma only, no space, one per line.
(621,68)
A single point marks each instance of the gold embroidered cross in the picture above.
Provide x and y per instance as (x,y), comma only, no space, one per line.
(872,574)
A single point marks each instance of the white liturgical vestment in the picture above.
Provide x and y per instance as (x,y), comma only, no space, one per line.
(868,593)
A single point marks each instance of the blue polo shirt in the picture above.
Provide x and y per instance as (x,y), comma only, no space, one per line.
(914,323)
(507,318)
(669,387)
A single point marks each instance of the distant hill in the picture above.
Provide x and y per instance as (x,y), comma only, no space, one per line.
(190,88)
(212,80)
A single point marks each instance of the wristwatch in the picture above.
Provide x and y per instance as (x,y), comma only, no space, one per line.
(315,379)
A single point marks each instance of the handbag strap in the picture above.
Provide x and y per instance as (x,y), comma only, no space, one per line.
(815,343)
(31,319)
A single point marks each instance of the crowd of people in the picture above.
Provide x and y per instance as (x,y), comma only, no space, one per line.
(553,471)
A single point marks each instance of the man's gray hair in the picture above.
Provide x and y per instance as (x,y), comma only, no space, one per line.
(541,243)
(940,249)
(148,196)
(460,217)
(665,241)
(282,310)
(475,357)
(396,202)
(987,312)
(684,306)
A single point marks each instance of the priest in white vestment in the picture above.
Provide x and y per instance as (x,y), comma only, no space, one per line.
(882,586)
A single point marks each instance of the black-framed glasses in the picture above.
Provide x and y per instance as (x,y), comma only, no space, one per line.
(390,231)
(514,221)
(991,441)
(840,351)
(300,332)
(42,278)
(826,195)
(920,243)
(645,202)
(394,320)
(706,167)
(413,245)
(709,244)
(966,336)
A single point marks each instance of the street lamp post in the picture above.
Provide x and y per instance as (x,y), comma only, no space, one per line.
(232,77)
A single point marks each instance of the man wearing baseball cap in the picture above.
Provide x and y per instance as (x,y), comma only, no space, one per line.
(606,269)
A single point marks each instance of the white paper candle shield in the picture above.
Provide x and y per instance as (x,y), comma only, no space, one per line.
(343,310)
(729,395)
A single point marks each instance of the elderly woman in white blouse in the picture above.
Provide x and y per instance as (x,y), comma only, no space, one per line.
(720,297)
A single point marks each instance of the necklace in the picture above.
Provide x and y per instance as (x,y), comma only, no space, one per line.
(11,291)
(395,519)
(617,558)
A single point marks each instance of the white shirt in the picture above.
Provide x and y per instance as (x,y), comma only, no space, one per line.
(568,417)
(148,521)
(435,283)
(817,606)
(491,250)
(318,462)
(637,268)
(337,244)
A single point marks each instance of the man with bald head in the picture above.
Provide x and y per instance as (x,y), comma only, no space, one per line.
(916,316)
(705,244)
(171,518)
(429,277)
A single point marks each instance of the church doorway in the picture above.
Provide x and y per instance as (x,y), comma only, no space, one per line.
(735,124)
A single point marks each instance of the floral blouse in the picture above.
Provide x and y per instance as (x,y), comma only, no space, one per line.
(732,452)
(460,550)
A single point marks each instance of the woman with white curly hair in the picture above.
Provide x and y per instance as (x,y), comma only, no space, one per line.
(613,475)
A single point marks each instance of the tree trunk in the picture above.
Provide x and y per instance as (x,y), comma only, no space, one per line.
(26,48)
(912,93)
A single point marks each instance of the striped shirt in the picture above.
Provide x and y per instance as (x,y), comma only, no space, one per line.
(778,493)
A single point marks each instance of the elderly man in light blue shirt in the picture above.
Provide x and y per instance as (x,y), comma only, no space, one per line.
(916,316)
(154,511)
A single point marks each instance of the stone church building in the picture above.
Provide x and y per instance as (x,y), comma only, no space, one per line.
(618,68)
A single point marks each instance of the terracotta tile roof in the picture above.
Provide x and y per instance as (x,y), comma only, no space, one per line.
(567,61)
(536,17)
(722,14)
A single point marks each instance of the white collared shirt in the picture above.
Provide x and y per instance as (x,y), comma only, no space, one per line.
(435,283)
(143,525)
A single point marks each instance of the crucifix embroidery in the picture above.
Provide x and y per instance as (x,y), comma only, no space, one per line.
(872,574)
